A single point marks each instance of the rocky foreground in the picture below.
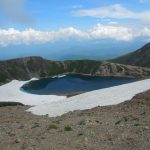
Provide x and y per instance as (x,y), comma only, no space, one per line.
(122,127)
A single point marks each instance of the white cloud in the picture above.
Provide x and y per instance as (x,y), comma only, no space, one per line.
(98,32)
(113,32)
(30,36)
(145,32)
(115,11)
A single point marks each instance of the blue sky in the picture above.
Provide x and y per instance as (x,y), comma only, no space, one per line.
(48,15)
(72,28)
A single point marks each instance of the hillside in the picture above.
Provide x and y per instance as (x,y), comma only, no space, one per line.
(125,126)
(29,67)
(140,57)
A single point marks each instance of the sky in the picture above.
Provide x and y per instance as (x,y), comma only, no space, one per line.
(73,29)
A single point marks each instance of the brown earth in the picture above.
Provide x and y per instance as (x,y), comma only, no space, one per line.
(121,127)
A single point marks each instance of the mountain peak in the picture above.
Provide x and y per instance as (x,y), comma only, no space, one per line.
(146,45)
(140,57)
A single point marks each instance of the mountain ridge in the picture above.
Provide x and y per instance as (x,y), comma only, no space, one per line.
(29,67)
(140,57)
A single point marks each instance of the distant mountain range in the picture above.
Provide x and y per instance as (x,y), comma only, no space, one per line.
(140,57)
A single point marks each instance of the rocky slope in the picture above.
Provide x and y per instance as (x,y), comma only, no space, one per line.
(26,68)
(141,57)
(121,127)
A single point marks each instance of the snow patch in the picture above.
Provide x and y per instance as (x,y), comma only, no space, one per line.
(59,76)
(57,105)
(11,92)
(102,97)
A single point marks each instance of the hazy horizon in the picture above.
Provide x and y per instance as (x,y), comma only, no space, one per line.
(61,30)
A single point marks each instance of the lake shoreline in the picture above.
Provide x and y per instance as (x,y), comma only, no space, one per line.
(50,104)
(72,84)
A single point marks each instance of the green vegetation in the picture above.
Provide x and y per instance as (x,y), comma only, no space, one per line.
(143,113)
(35,125)
(3,78)
(119,68)
(43,74)
(82,122)
(118,122)
(26,68)
(4,104)
(136,124)
(110,67)
(80,134)
(67,128)
(83,66)
(124,119)
(13,72)
(52,126)
(55,68)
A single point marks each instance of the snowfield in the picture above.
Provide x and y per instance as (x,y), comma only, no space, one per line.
(11,92)
(58,105)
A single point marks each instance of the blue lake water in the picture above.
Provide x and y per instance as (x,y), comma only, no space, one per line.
(72,84)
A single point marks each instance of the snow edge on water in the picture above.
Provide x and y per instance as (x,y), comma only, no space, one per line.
(57,105)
